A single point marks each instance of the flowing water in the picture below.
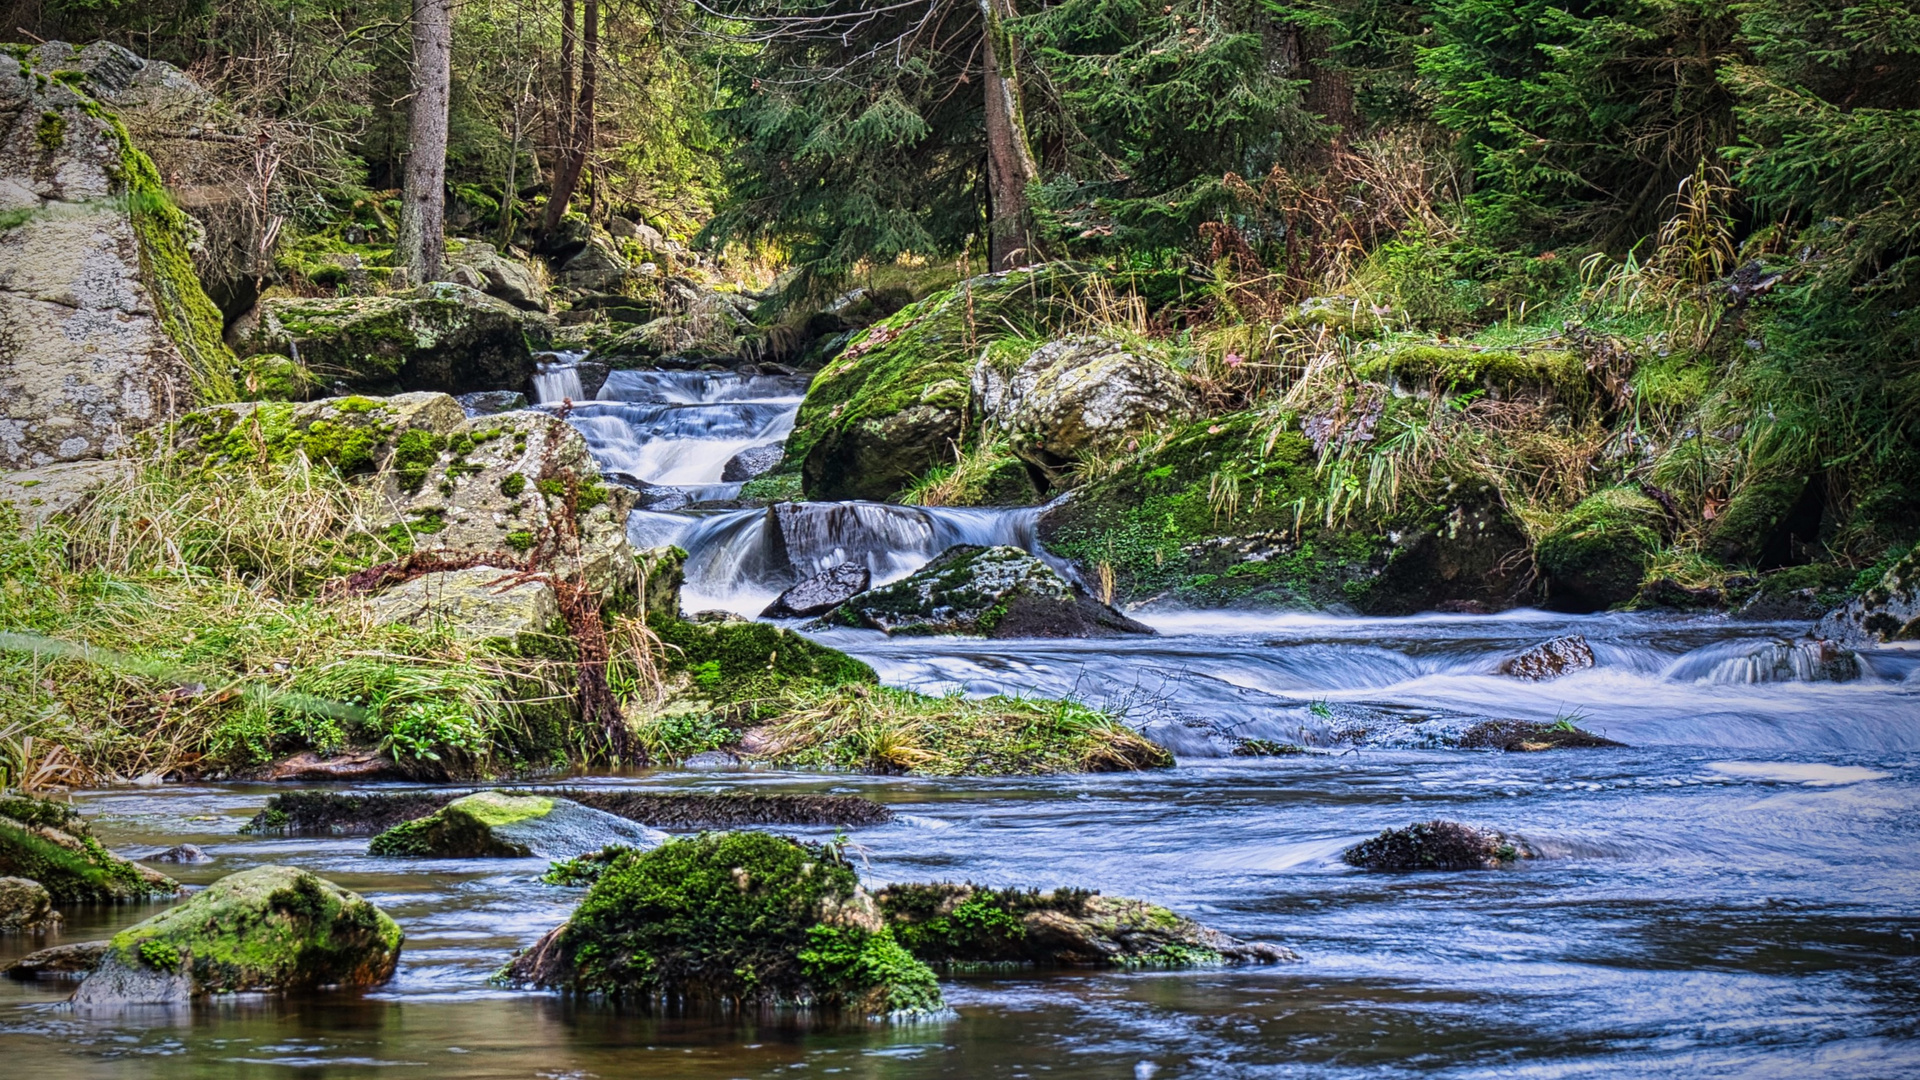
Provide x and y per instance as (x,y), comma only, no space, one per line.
(1735,893)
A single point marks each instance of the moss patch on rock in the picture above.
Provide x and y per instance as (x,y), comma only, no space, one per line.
(1596,556)
(740,918)
(65,859)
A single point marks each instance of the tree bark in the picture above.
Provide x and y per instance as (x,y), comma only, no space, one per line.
(1010,164)
(423,205)
(580,142)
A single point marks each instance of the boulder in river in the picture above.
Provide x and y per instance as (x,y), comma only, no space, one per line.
(960,926)
(496,824)
(1889,611)
(1551,659)
(49,843)
(1526,736)
(58,962)
(1437,845)
(334,813)
(189,854)
(741,918)
(999,592)
(821,593)
(1076,396)
(752,462)
(272,928)
(25,906)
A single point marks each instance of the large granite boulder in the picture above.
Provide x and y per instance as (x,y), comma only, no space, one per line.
(442,336)
(272,928)
(52,490)
(496,824)
(1889,611)
(479,265)
(478,602)
(740,919)
(49,843)
(1076,396)
(104,328)
(1000,592)
(961,926)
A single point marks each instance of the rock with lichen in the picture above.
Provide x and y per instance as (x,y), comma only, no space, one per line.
(985,591)
(962,926)
(498,824)
(1075,397)
(741,919)
(1888,611)
(1438,845)
(272,928)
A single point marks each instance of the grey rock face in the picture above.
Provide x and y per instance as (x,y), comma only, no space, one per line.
(491,402)
(751,462)
(1890,611)
(1076,396)
(821,593)
(481,602)
(497,275)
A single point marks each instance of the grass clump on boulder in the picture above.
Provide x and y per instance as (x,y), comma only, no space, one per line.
(272,928)
(743,919)
(1596,555)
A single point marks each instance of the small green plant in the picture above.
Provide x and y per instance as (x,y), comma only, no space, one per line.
(160,956)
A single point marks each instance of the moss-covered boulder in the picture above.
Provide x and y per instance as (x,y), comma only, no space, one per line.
(893,404)
(25,906)
(496,275)
(964,926)
(1000,592)
(1077,396)
(1502,374)
(1769,519)
(1596,555)
(442,336)
(354,435)
(49,843)
(496,824)
(719,663)
(1230,512)
(1889,611)
(742,919)
(821,593)
(104,328)
(272,928)
(1437,845)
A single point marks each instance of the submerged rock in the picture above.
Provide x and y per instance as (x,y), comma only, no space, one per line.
(963,925)
(1437,845)
(1889,611)
(495,824)
(1074,397)
(49,843)
(1522,736)
(821,593)
(1551,659)
(58,962)
(741,918)
(1000,592)
(183,853)
(25,906)
(272,928)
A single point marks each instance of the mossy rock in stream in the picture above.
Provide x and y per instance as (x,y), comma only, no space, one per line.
(1000,592)
(965,926)
(1438,845)
(741,918)
(47,843)
(1227,513)
(497,824)
(272,928)
(893,404)
(1596,556)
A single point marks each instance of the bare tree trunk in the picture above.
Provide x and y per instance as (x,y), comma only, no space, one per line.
(1010,164)
(423,205)
(580,142)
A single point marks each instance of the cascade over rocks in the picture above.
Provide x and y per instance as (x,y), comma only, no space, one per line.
(442,336)
(1000,592)
(272,928)
(960,926)
(1551,659)
(104,329)
(1438,845)
(48,843)
(1889,611)
(498,824)
(821,593)
(1075,396)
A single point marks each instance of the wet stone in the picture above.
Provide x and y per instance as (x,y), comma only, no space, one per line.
(1551,659)
(821,593)
(1437,845)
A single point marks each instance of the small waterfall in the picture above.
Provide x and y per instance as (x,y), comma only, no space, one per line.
(680,428)
(740,560)
(558,380)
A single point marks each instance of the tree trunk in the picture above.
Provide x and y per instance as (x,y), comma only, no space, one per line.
(423,205)
(580,143)
(1010,165)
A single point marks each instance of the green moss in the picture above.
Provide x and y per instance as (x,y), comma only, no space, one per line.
(737,917)
(520,540)
(745,662)
(1461,369)
(512,484)
(51,132)
(414,455)
(85,873)
(464,828)
(1596,556)
(160,956)
(773,487)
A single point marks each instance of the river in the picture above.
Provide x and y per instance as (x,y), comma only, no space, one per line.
(1735,893)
